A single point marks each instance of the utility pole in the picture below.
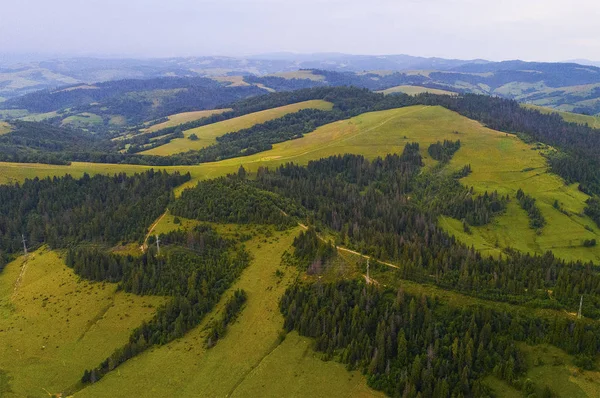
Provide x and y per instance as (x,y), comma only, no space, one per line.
(157,245)
(368,279)
(580,305)
(24,244)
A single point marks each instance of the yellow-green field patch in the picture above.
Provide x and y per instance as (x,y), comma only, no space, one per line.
(300,74)
(83,120)
(552,367)
(184,117)
(54,326)
(234,81)
(236,366)
(38,117)
(414,90)
(592,121)
(5,127)
(207,134)
(499,162)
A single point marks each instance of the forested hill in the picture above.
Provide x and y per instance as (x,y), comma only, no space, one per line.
(119,104)
(577,160)
(134,100)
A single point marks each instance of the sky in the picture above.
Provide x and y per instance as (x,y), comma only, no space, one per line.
(541,30)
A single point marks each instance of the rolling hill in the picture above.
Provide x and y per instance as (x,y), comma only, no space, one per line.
(499,161)
(254,356)
(207,134)
(133,101)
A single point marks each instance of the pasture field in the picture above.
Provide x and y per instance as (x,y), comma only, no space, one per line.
(54,326)
(251,357)
(299,74)
(5,128)
(414,90)
(180,118)
(592,121)
(83,120)
(234,81)
(13,113)
(39,117)
(499,162)
(207,134)
(552,367)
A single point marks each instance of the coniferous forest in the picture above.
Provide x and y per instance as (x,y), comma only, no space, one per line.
(387,209)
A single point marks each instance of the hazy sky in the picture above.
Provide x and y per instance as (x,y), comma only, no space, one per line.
(493,29)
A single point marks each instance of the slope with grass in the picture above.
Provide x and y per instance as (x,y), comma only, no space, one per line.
(53,326)
(414,90)
(180,118)
(207,134)
(251,359)
(499,162)
(5,127)
(552,367)
(592,121)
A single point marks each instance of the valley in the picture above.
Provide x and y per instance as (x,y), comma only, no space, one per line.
(471,261)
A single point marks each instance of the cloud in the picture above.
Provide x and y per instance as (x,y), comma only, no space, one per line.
(501,29)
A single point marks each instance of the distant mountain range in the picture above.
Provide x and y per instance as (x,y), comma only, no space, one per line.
(584,62)
(27,74)
(566,86)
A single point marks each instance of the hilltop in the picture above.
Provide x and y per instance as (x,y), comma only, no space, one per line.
(323,241)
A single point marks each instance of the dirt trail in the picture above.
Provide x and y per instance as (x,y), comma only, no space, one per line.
(350,251)
(144,247)
(21,275)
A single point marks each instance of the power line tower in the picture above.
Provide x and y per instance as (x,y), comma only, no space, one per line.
(157,245)
(580,305)
(24,244)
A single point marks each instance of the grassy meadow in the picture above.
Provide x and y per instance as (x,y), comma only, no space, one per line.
(251,359)
(207,134)
(592,121)
(54,326)
(5,128)
(414,90)
(85,120)
(180,118)
(499,162)
(300,74)
(552,367)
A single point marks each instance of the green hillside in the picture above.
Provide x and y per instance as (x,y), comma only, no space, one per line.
(414,90)
(54,326)
(251,359)
(592,121)
(207,134)
(499,162)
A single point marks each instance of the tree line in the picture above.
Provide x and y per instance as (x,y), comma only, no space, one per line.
(62,211)
(388,209)
(195,268)
(411,346)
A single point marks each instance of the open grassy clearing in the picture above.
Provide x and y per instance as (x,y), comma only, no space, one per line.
(207,134)
(592,121)
(234,81)
(81,87)
(499,162)
(299,74)
(13,113)
(5,127)
(552,367)
(184,117)
(54,326)
(251,357)
(39,117)
(414,90)
(83,120)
